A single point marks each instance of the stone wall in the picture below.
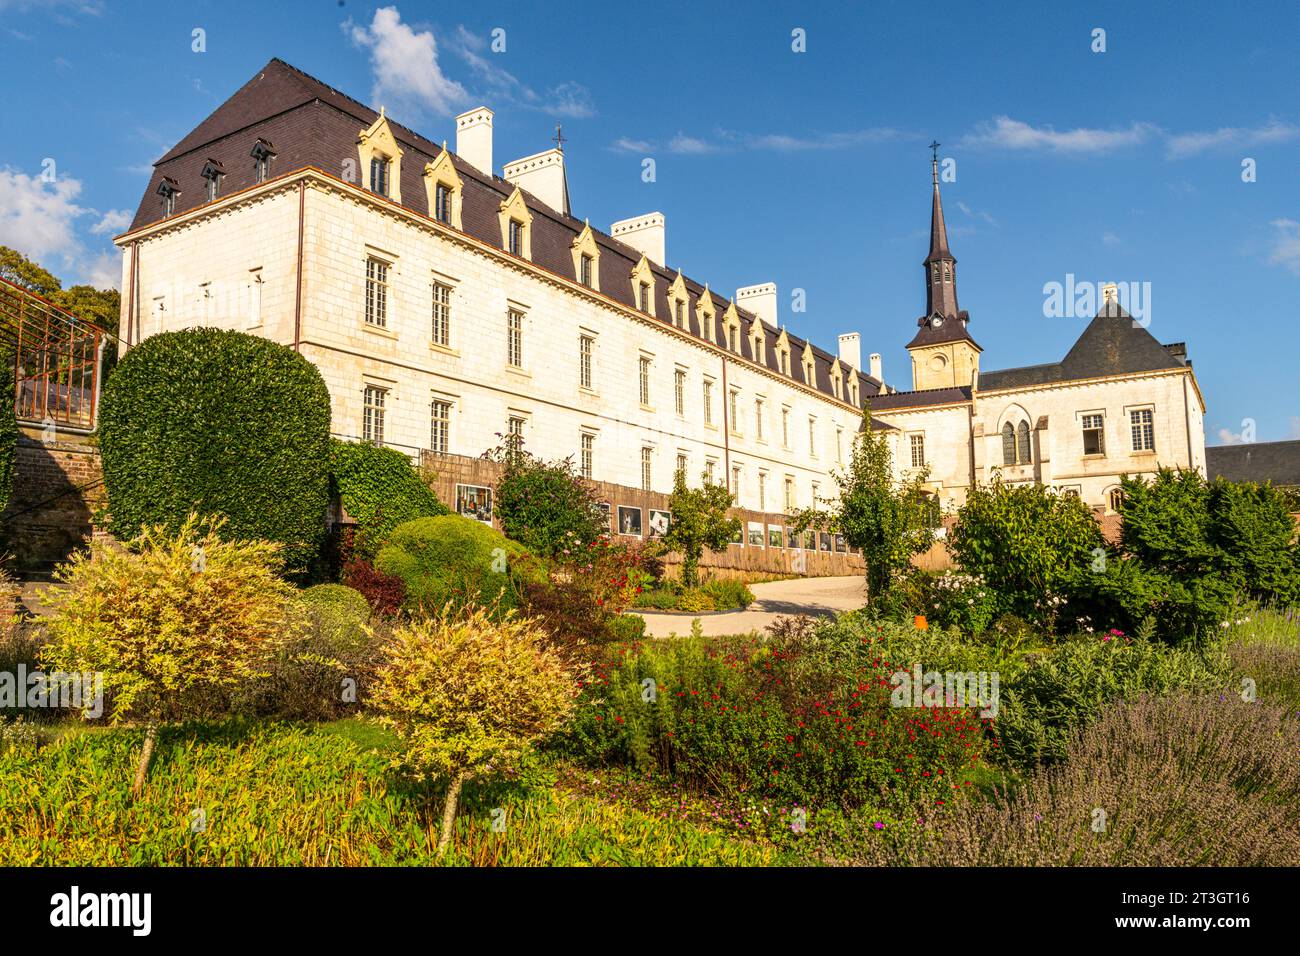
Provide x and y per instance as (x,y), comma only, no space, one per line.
(57,488)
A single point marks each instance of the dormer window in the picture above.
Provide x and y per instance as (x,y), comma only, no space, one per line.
(379,168)
(516,237)
(442,203)
(169,190)
(212,173)
(679,314)
(643,296)
(585,263)
(262,154)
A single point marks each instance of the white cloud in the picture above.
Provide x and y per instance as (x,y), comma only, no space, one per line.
(1229,437)
(1183,145)
(1109,238)
(1286,245)
(977,213)
(1003,132)
(568,100)
(112,222)
(90,7)
(724,140)
(405,65)
(39,219)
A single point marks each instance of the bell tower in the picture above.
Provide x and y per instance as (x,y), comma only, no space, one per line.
(943,353)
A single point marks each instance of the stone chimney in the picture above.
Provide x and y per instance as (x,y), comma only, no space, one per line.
(474,138)
(851,350)
(644,234)
(761,300)
(877,371)
(543,176)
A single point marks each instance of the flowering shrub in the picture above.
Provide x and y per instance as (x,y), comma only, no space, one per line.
(796,724)
(547,506)
(965,602)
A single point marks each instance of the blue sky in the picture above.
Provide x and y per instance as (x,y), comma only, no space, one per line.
(809,169)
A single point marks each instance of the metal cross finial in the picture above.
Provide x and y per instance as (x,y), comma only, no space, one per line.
(934,147)
(558,139)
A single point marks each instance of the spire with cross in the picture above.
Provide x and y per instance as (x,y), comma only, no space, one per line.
(558,139)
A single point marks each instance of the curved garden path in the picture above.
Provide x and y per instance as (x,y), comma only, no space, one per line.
(819,597)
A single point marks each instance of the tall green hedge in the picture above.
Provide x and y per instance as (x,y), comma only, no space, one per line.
(223,423)
(379,489)
(8,427)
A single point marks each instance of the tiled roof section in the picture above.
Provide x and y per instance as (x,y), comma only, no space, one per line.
(1275,461)
(1112,344)
(919,399)
(952,330)
(312,124)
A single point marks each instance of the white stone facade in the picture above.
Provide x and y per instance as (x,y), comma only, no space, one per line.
(234,264)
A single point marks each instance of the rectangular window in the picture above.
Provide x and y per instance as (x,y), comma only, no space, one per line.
(815,499)
(785,428)
(679,391)
(1094,432)
(735,482)
(679,317)
(839,445)
(588,451)
(442,203)
(439,426)
(515,428)
(645,468)
(732,412)
(379,176)
(442,315)
(708,402)
(918,451)
(1144,429)
(762,491)
(812,436)
(643,297)
(213,187)
(516,237)
(643,370)
(758,419)
(586,345)
(584,270)
(789,495)
(372,419)
(515,338)
(681,464)
(709,467)
(732,339)
(377,293)
(261,166)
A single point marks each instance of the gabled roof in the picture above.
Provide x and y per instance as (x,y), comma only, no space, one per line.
(313,124)
(919,399)
(1275,461)
(1114,343)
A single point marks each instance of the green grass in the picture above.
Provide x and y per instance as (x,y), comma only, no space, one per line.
(285,795)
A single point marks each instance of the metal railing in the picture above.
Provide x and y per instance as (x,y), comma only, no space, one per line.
(57,358)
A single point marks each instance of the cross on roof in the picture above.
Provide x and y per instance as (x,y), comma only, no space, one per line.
(558,139)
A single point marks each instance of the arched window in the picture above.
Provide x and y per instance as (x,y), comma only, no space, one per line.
(1022,444)
(1008,444)
(1115,499)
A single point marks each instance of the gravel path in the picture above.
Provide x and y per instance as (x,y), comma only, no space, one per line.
(820,597)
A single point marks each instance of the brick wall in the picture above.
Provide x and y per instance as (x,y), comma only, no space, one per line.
(57,488)
(453,470)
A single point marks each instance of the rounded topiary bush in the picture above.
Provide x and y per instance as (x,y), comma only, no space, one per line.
(8,427)
(218,422)
(451,559)
(379,489)
(337,600)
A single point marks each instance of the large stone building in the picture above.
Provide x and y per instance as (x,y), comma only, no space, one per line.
(1119,403)
(446,305)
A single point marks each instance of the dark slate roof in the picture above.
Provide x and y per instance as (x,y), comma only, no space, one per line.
(950,330)
(312,124)
(919,399)
(1275,461)
(1112,344)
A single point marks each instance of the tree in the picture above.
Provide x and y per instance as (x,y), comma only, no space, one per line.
(890,521)
(219,422)
(172,622)
(467,694)
(699,521)
(8,425)
(18,269)
(100,307)
(545,505)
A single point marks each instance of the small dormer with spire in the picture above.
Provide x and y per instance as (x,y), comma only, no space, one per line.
(943,353)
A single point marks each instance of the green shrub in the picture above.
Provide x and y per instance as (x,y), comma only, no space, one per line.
(218,422)
(344,603)
(8,426)
(965,602)
(451,559)
(379,489)
(545,505)
(1034,547)
(1064,689)
(728,594)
